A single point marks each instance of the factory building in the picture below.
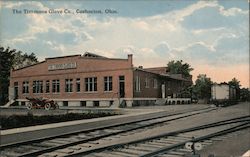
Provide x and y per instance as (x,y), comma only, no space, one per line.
(92,80)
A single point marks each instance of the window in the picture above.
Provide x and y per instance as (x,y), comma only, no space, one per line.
(137,84)
(83,103)
(16,84)
(155,83)
(146,83)
(121,78)
(111,102)
(38,86)
(26,87)
(68,85)
(65,103)
(78,85)
(47,86)
(96,103)
(108,83)
(90,84)
(22,103)
(55,86)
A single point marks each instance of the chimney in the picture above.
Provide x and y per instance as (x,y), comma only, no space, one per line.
(130,59)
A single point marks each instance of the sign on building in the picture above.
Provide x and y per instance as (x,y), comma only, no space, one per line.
(62,66)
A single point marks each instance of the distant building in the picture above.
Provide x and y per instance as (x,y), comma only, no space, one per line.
(223,93)
(93,80)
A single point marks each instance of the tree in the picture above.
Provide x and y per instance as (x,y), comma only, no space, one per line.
(202,87)
(235,83)
(244,94)
(178,67)
(11,59)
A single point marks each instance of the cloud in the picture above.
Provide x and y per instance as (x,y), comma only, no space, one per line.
(162,49)
(215,16)
(198,32)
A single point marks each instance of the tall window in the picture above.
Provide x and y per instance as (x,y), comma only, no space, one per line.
(38,86)
(155,83)
(146,82)
(137,84)
(47,86)
(90,84)
(108,83)
(26,87)
(68,85)
(78,85)
(55,86)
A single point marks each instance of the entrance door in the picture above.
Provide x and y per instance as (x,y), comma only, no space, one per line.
(122,86)
(15,90)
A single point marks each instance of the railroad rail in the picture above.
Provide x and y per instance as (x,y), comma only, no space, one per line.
(169,144)
(41,146)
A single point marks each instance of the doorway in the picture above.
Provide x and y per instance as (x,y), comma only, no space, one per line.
(122,86)
(15,90)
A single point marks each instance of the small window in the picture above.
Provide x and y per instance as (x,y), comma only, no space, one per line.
(137,84)
(55,86)
(96,104)
(65,103)
(90,84)
(108,83)
(15,84)
(83,103)
(121,78)
(26,87)
(111,102)
(155,83)
(38,86)
(47,86)
(146,82)
(78,85)
(68,85)
(22,103)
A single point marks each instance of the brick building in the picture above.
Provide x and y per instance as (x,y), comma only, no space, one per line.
(93,80)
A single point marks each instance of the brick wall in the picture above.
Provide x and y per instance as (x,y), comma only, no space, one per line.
(150,91)
(86,67)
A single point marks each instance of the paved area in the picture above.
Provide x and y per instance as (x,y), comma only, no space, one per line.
(235,146)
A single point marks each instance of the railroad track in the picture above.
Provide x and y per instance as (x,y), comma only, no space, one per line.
(170,144)
(46,145)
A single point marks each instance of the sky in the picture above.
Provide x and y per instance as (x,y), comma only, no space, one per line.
(212,36)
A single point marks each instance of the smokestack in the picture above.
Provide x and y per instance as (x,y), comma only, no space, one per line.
(130,59)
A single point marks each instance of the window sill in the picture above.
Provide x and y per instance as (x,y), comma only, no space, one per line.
(91,92)
(108,91)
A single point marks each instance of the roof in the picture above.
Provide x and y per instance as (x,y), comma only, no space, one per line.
(158,70)
(162,74)
(63,56)
(86,55)
(92,55)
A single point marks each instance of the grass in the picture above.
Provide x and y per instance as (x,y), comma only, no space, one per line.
(17,121)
